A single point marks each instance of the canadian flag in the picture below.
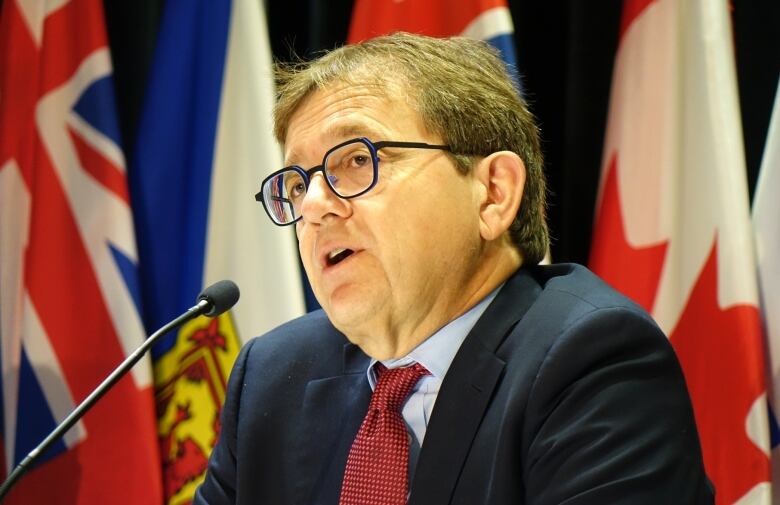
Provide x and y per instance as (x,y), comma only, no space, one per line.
(673,229)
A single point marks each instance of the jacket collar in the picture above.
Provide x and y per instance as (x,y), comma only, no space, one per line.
(466,391)
(330,416)
(333,408)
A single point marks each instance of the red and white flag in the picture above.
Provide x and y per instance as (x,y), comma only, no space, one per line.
(487,20)
(68,286)
(673,230)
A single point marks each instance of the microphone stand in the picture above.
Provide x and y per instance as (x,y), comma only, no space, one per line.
(204,306)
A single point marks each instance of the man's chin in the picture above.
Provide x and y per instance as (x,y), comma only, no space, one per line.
(350,316)
(348,320)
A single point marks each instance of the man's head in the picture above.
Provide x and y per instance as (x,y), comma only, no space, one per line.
(439,229)
(460,88)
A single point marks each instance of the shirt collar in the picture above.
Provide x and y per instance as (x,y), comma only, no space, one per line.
(436,352)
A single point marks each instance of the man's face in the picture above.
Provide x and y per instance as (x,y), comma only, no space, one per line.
(391,266)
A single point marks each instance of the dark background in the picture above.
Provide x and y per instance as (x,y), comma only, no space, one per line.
(565,53)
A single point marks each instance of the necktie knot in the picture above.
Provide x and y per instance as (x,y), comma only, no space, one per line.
(394,385)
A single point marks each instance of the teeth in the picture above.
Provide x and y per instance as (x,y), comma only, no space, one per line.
(335,252)
(336,255)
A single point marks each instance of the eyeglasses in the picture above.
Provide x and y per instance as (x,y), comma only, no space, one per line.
(350,169)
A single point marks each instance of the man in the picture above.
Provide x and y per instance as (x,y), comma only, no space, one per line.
(414,179)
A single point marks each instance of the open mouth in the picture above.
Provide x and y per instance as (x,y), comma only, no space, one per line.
(338,255)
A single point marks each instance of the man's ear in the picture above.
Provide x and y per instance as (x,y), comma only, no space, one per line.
(502,179)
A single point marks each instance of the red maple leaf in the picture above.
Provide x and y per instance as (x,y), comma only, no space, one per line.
(722,358)
(635,272)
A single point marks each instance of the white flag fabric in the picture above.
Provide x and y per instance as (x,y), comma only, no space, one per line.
(766,221)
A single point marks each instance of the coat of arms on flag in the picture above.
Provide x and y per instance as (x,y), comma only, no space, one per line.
(190,382)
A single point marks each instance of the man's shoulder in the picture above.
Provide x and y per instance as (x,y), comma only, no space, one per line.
(570,280)
(570,295)
(308,337)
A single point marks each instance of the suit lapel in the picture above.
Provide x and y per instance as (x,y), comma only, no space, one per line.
(332,410)
(465,393)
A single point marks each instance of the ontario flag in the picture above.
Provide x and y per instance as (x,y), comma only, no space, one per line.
(204,145)
(68,262)
(487,20)
(673,230)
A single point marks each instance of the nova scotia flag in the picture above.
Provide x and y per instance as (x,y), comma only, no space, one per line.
(204,145)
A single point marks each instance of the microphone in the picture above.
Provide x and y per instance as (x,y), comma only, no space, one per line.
(212,301)
(220,296)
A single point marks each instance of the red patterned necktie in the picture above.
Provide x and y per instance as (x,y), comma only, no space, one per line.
(377,464)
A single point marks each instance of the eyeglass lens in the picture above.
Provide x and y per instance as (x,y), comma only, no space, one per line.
(349,171)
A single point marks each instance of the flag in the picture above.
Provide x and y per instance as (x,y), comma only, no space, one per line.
(69,309)
(673,231)
(487,20)
(204,144)
(766,209)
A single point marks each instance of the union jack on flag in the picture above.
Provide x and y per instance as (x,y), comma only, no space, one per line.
(68,285)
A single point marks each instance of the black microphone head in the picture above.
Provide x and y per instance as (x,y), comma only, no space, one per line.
(221,296)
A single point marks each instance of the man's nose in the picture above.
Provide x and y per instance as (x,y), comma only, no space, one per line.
(320,201)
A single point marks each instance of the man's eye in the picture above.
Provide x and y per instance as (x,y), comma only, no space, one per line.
(297,190)
(360,160)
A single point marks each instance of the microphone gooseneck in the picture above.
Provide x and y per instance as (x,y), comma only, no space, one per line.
(212,301)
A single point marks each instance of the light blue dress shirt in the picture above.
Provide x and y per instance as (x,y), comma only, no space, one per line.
(436,354)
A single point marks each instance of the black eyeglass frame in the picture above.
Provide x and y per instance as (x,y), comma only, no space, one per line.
(306,175)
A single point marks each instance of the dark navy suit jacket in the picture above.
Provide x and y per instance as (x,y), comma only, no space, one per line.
(563,392)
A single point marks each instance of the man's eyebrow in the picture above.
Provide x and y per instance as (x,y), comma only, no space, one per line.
(344,132)
(293,155)
(351,130)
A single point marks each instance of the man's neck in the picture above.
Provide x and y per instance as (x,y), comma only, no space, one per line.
(398,342)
